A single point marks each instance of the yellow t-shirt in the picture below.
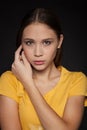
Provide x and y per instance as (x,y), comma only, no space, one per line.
(70,84)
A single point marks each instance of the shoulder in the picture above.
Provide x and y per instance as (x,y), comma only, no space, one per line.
(75,75)
(8,78)
(76,80)
(10,86)
(8,75)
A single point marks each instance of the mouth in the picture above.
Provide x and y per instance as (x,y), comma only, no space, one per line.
(39,62)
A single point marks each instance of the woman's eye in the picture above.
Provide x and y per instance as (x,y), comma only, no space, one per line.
(47,42)
(29,43)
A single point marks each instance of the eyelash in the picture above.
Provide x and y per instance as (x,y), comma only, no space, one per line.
(46,43)
(28,42)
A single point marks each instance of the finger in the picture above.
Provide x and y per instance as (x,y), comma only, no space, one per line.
(17,53)
(12,66)
(25,61)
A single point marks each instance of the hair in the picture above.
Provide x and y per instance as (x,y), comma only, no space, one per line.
(44,16)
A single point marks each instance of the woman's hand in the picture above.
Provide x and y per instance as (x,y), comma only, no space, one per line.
(21,67)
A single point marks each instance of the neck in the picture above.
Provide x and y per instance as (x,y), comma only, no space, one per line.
(47,74)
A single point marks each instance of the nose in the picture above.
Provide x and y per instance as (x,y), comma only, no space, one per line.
(38,51)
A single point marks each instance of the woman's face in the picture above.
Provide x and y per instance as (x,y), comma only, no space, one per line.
(40,44)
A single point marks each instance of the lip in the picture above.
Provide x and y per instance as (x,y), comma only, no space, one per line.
(39,62)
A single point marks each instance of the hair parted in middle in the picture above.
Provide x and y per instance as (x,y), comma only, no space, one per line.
(44,16)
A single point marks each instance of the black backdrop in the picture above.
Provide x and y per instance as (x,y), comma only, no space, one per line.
(73,19)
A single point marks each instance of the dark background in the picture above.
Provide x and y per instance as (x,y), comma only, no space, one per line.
(73,18)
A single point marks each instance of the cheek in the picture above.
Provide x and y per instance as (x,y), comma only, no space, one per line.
(28,54)
(51,52)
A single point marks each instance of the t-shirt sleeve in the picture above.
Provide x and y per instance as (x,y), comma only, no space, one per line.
(8,85)
(78,84)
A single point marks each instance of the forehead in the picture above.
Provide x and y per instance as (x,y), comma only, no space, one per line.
(38,29)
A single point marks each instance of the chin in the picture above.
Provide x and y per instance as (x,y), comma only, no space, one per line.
(39,68)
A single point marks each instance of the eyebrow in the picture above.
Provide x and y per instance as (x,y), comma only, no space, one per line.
(48,39)
(34,40)
(28,39)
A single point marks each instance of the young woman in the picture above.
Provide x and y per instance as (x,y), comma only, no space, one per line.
(39,93)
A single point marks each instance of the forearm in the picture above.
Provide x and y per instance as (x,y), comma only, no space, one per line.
(9,117)
(49,119)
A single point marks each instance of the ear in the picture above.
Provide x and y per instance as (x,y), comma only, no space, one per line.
(60,41)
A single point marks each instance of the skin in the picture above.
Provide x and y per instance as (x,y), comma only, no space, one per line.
(39,43)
